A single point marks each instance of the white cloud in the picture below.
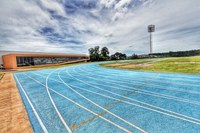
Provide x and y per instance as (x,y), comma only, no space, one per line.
(177,25)
(122,4)
(108,3)
(54,6)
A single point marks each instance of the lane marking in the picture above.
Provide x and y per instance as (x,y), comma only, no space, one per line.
(155,86)
(139,101)
(122,128)
(156,81)
(147,108)
(144,92)
(132,75)
(91,111)
(188,117)
(74,126)
(98,67)
(127,122)
(54,105)
(34,110)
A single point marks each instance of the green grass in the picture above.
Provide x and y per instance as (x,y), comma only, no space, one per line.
(177,65)
(1,74)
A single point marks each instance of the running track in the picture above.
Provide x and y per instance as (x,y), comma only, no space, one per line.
(91,99)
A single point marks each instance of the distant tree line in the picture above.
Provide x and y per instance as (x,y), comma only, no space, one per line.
(97,54)
(177,53)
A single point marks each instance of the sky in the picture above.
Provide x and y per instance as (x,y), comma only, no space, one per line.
(74,26)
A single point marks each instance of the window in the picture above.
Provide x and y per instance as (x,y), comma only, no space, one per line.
(32,61)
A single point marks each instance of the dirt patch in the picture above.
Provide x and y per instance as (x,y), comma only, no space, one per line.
(113,65)
(136,66)
(13,118)
(185,63)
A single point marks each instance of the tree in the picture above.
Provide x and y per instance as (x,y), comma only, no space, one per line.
(105,53)
(134,56)
(94,53)
(177,53)
(118,56)
(96,50)
(97,53)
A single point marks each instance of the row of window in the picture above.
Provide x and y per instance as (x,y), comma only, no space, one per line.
(32,61)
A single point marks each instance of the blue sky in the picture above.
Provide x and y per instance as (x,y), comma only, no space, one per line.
(73,26)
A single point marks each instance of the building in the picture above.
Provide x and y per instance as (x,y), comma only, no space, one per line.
(17,59)
(143,56)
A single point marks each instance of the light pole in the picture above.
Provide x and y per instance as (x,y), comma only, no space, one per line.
(151,28)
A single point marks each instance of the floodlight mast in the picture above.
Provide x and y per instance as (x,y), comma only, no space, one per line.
(151,28)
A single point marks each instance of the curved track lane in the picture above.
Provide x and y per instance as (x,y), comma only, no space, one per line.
(89,98)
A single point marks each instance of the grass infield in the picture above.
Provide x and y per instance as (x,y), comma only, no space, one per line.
(177,65)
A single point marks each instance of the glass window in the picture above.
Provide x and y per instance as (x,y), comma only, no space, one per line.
(31,61)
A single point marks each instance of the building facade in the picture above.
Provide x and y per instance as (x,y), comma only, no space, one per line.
(13,60)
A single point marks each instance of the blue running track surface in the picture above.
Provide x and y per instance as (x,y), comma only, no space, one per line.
(91,99)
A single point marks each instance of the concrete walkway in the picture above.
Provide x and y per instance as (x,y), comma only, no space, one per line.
(13,116)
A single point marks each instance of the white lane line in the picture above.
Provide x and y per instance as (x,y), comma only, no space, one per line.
(55,107)
(116,82)
(143,92)
(139,101)
(194,122)
(34,110)
(144,107)
(135,73)
(133,99)
(134,81)
(147,108)
(155,86)
(103,89)
(156,81)
(127,122)
(92,112)
(82,106)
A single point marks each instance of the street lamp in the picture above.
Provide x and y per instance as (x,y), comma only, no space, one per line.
(151,28)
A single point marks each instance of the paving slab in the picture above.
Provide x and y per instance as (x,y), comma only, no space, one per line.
(13,116)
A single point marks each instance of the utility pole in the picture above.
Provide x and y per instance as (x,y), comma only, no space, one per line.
(151,28)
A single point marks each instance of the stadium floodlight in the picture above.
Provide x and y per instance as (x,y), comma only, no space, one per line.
(151,28)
